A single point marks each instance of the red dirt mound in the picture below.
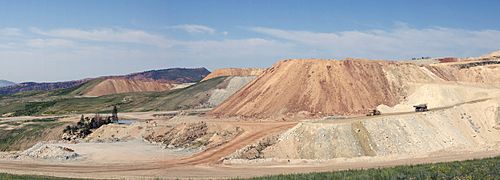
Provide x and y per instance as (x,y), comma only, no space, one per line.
(114,86)
(330,87)
(313,87)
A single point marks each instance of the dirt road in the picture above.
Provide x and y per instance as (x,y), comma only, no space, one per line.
(360,118)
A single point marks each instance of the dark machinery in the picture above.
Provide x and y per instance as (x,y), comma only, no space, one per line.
(374,113)
(421,108)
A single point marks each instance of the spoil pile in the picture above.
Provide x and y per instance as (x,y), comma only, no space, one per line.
(182,136)
(318,88)
(313,87)
(470,127)
(118,85)
(191,135)
(49,152)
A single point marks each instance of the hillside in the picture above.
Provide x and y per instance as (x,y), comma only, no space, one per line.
(330,87)
(135,82)
(33,86)
(234,72)
(4,83)
(206,94)
(115,86)
(173,75)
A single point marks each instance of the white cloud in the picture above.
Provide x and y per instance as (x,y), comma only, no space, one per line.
(194,28)
(45,43)
(400,42)
(94,51)
(107,35)
(10,32)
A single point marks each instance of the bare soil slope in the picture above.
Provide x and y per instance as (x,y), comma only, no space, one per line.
(115,86)
(234,72)
(331,87)
(313,87)
(469,126)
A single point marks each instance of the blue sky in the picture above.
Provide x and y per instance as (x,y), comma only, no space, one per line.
(65,40)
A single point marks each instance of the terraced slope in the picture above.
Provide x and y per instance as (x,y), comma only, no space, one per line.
(471,127)
(310,87)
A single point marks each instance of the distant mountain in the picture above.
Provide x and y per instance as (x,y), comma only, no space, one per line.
(173,76)
(33,86)
(4,83)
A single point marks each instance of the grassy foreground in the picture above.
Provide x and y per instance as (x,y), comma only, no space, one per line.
(488,168)
(4,176)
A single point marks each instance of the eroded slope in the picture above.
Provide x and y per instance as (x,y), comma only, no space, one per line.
(297,88)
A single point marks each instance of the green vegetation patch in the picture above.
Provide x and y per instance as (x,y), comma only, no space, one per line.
(33,108)
(488,168)
(28,177)
(26,135)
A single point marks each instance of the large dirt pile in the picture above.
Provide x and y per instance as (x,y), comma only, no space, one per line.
(469,127)
(332,87)
(234,72)
(314,87)
(114,86)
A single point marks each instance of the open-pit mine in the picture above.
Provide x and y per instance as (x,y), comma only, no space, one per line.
(300,115)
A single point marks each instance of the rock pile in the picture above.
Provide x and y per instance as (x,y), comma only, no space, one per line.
(181,136)
(50,152)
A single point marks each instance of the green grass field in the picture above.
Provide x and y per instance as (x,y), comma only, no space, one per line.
(488,168)
(4,176)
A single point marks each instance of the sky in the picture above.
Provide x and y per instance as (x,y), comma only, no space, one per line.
(59,40)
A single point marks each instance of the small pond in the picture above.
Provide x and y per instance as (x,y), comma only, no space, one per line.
(126,121)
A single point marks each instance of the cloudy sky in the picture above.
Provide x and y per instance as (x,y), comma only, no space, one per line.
(55,40)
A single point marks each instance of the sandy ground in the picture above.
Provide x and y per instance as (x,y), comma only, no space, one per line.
(136,159)
(175,169)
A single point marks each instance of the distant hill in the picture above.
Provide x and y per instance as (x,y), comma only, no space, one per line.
(4,83)
(171,76)
(174,75)
(204,94)
(33,86)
